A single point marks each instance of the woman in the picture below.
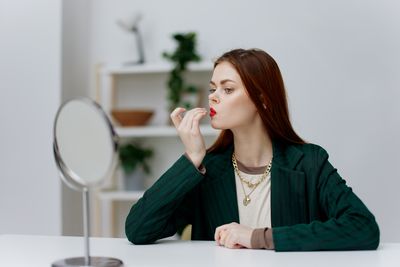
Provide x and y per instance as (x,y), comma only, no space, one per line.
(259,185)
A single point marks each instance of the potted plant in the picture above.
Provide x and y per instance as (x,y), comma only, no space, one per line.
(134,162)
(184,53)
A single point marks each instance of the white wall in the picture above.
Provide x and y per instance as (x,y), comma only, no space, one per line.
(340,60)
(30,34)
(75,48)
(75,83)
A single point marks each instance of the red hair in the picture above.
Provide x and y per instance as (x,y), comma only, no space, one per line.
(263,81)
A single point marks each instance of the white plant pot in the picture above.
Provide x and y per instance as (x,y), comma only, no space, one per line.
(135,180)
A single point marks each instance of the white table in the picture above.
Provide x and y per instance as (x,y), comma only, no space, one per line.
(21,250)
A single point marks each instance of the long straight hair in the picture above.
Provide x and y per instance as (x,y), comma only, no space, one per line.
(263,81)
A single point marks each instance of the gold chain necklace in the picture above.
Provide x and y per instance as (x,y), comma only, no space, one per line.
(247,199)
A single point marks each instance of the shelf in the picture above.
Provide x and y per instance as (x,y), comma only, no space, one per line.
(158,131)
(147,77)
(120,195)
(162,67)
(107,199)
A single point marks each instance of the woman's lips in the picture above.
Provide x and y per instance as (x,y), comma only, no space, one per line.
(212,112)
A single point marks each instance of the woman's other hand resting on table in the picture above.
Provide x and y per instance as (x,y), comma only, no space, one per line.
(233,235)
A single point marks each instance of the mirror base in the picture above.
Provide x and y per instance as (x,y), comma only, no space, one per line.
(94,261)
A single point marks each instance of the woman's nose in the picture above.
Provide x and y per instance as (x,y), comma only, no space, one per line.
(213,98)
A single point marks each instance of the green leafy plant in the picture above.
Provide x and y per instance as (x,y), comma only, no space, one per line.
(184,54)
(133,156)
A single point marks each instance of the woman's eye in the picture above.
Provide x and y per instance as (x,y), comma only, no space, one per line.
(212,90)
(228,90)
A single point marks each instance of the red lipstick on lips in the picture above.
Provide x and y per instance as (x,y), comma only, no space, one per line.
(212,112)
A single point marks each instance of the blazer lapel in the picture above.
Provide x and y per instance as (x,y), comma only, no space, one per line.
(220,190)
(288,187)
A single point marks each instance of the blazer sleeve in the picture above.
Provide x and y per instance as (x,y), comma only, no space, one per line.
(350,225)
(165,206)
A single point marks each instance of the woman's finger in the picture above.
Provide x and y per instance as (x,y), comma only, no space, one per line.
(229,240)
(218,230)
(217,235)
(223,236)
(176,116)
(187,121)
(196,121)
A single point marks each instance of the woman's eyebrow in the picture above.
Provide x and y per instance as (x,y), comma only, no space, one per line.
(223,81)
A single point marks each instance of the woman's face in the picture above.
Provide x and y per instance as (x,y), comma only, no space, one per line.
(230,106)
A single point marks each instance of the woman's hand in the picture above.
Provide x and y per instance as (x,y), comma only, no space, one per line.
(233,235)
(189,132)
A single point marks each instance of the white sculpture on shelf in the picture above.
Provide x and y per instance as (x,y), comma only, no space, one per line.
(133,27)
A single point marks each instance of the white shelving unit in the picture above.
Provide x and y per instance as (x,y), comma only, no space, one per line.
(108,74)
(161,67)
(141,79)
(120,195)
(157,131)
(107,202)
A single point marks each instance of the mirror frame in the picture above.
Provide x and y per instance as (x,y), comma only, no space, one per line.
(68,176)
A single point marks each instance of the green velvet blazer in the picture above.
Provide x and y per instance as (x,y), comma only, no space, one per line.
(312,208)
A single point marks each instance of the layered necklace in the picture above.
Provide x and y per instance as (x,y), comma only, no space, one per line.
(250,184)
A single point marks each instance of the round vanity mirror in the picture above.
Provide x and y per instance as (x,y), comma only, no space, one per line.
(85,144)
(85,150)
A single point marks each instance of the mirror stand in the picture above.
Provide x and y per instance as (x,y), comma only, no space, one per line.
(85,149)
(87,260)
